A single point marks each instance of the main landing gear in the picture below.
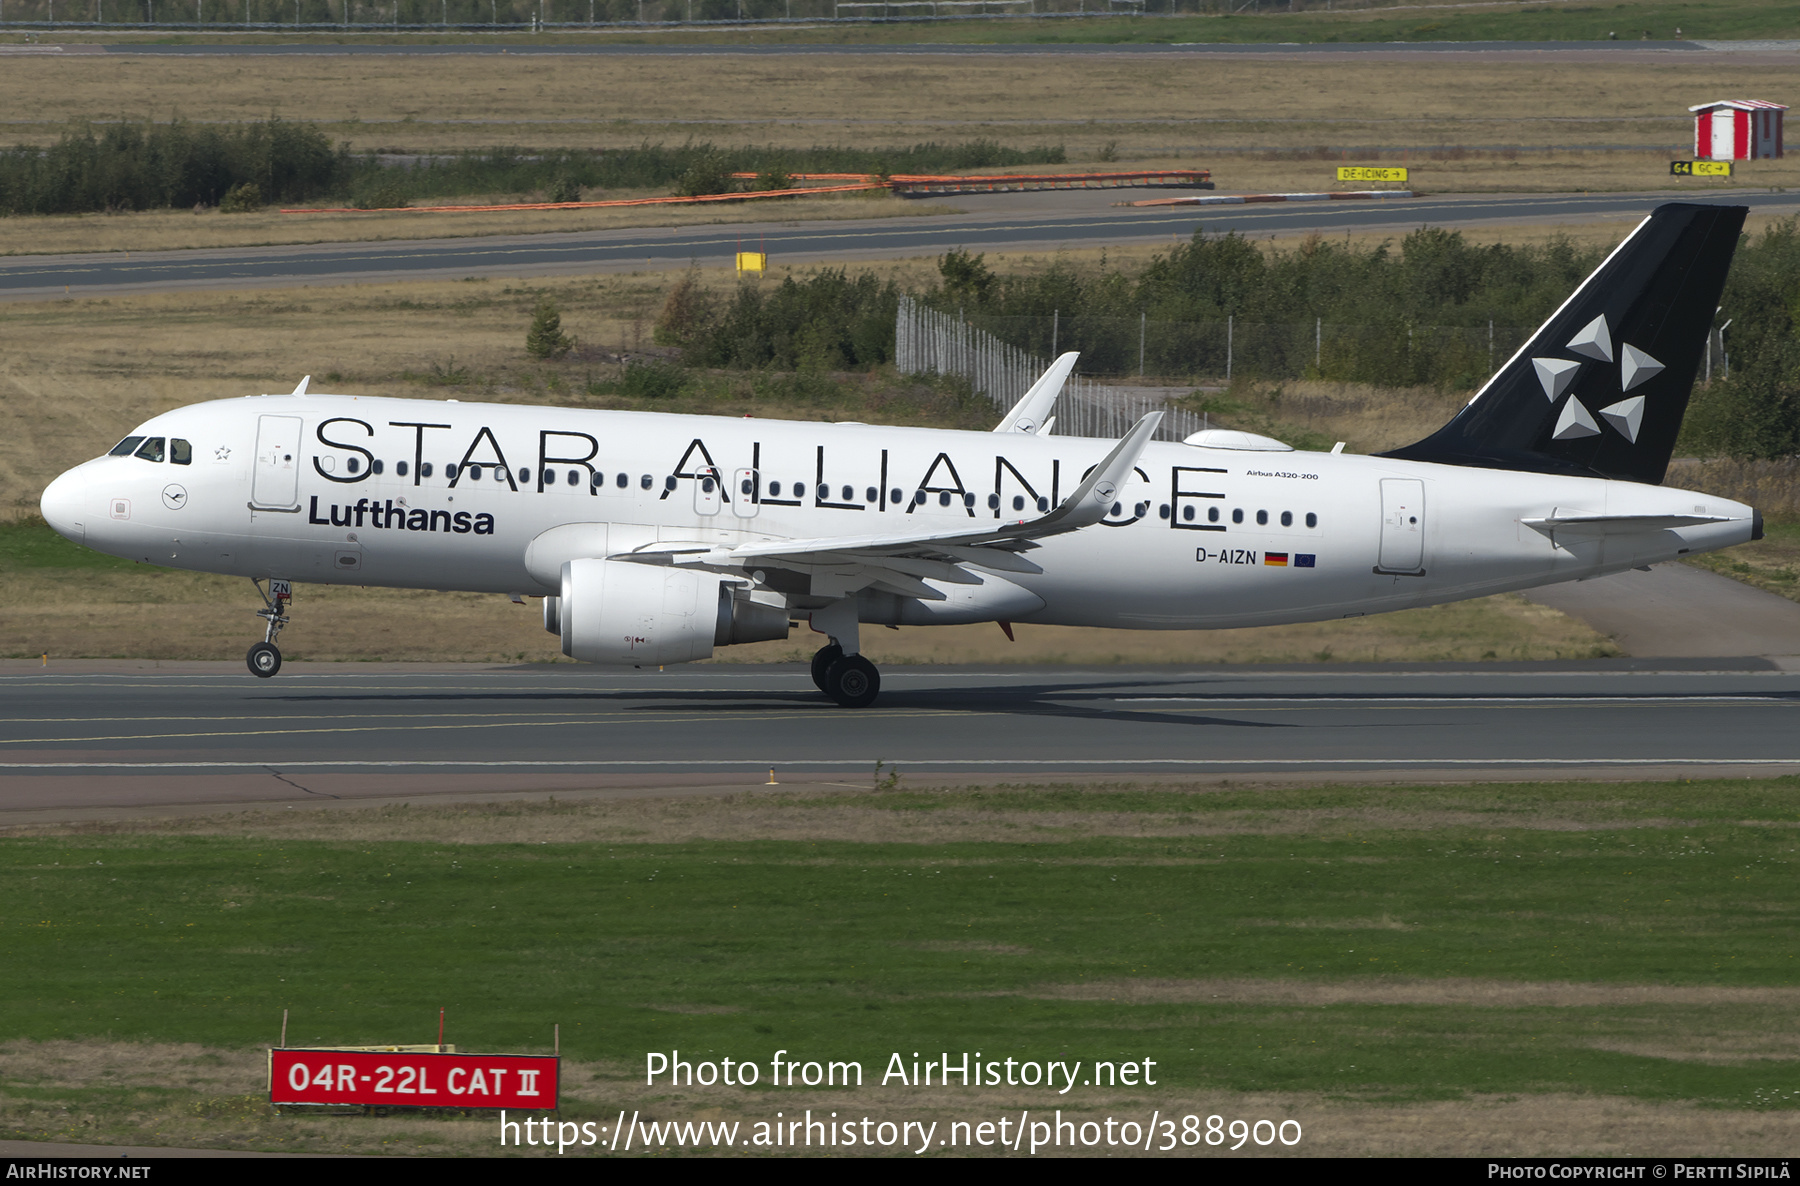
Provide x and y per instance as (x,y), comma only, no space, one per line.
(851,680)
(264,659)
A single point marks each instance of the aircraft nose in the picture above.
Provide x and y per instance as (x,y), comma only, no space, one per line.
(63,506)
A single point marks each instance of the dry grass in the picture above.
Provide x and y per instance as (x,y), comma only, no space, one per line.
(1260,125)
(1713,1049)
(415,104)
(1773,487)
(190,1096)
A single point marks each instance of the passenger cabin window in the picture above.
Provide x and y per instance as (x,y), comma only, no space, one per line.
(375,466)
(354,464)
(400,468)
(126,447)
(180,452)
(151,450)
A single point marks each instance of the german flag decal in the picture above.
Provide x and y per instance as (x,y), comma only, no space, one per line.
(1275,559)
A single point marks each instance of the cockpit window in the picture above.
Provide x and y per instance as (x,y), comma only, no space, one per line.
(151,450)
(180,452)
(126,447)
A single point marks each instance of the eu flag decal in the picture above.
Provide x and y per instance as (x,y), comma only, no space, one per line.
(1275,559)
(1303,559)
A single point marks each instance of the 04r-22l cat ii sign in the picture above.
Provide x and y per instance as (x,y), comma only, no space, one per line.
(655,538)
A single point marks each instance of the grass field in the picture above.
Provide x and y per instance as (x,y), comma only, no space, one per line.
(1486,125)
(1401,969)
(410,104)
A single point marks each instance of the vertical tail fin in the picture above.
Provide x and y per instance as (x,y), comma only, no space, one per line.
(1601,388)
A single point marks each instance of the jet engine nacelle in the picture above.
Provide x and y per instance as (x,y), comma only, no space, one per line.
(620,612)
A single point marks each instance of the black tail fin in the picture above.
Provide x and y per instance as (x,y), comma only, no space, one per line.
(1601,388)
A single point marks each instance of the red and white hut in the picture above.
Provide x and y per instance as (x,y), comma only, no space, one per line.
(1737,130)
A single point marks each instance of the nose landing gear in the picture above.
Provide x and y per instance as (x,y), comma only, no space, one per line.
(264,659)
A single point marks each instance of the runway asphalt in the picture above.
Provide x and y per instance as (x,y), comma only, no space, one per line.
(992,223)
(83,742)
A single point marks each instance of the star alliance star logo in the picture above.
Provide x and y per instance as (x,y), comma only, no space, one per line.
(222,453)
(1557,375)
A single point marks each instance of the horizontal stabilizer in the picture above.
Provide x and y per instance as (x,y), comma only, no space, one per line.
(1581,524)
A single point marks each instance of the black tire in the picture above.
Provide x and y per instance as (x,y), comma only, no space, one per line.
(821,663)
(263,660)
(853,682)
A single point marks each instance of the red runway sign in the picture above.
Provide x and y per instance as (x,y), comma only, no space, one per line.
(412,1080)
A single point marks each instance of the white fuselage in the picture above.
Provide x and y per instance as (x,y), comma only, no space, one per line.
(287,487)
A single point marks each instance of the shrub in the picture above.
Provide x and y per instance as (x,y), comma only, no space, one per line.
(564,188)
(652,380)
(242,199)
(710,174)
(380,193)
(145,166)
(685,314)
(545,338)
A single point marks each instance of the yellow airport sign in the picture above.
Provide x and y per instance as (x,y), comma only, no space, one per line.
(1699,168)
(1369,173)
(752,261)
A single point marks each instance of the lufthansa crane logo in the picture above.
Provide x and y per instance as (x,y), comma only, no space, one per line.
(174,497)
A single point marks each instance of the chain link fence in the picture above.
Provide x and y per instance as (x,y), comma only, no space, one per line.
(1000,357)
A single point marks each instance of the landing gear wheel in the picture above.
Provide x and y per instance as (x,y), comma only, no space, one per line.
(821,663)
(853,682)
(263,660)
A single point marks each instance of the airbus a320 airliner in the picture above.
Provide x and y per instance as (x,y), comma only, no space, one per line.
(655,538)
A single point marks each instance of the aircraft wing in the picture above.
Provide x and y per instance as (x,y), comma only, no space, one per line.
(901,562)
(1032,412)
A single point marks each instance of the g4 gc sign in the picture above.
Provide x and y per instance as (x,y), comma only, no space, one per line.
(408,1080)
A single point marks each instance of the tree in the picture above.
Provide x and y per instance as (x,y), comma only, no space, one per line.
(545,338)
(966,277)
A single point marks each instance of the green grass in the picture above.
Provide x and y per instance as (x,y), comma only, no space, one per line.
(860,949)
